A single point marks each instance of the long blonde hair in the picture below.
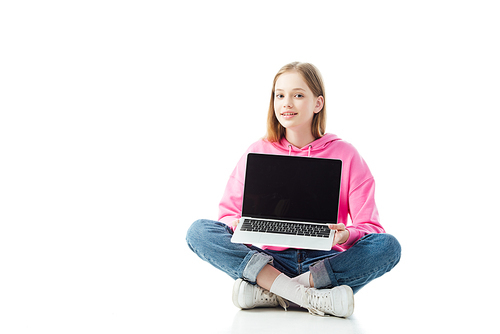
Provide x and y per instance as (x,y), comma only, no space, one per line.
(312,76)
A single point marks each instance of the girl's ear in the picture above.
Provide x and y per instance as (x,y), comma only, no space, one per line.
(320,101)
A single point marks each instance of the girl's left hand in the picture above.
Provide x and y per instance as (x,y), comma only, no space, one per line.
(341,234)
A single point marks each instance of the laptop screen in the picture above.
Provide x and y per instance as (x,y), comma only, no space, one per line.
(292,188)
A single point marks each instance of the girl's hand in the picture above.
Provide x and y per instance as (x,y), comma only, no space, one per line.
(235,223)
(341,234)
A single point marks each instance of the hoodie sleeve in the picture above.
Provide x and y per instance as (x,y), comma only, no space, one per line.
(231,203)
(361,203)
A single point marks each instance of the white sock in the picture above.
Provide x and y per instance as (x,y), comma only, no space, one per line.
(285,287)
(303,279)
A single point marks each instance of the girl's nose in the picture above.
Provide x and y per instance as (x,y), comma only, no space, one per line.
(287,103)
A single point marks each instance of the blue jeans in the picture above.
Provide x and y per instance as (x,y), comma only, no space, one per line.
(369,258)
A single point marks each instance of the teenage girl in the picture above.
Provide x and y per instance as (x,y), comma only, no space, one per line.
(323,282)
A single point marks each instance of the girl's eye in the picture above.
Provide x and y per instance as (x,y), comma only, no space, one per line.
(299,95)
(279,96)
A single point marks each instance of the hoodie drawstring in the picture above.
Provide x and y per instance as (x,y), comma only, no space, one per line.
(290,150)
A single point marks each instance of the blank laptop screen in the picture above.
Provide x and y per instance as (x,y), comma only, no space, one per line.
(292,188)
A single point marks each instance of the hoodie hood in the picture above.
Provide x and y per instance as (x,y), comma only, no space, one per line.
(316,146)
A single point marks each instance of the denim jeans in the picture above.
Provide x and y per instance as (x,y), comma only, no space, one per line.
(369,258)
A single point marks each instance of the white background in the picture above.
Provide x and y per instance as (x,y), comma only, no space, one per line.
(122,120)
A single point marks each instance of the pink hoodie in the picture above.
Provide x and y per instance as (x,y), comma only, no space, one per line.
(357,189)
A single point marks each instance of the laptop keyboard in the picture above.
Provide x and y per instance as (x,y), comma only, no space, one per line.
(265,226)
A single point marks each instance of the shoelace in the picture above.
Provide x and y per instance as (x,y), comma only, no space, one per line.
(267,296)
(283,302)
(314,302)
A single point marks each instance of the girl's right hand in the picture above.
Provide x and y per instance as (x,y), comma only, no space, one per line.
(235,223)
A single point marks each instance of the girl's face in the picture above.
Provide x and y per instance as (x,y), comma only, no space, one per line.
(294,103)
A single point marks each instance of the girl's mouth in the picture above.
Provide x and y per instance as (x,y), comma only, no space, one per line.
(288,114)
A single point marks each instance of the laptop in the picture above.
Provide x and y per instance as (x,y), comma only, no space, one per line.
(289,201)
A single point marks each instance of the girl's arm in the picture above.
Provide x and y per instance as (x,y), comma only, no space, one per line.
(363,212)
(230,204)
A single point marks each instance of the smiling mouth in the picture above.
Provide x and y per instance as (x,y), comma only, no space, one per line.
(288,113)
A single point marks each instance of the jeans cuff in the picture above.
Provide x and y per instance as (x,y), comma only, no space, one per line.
(321,277)
(255,265)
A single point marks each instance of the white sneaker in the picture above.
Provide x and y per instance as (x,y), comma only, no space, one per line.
(338,301)
(246,296)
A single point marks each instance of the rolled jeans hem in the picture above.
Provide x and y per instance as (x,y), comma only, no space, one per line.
(321,275)
(255,264)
